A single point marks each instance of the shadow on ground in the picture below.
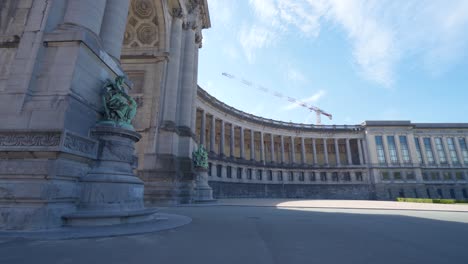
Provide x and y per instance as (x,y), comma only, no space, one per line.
(235,234)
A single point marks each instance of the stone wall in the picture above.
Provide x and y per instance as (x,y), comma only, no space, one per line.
(258,190)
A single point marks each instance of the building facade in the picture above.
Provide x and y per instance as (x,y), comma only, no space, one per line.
(252,156)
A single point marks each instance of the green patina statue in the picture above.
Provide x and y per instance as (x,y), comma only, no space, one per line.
(200,157)
(119,107)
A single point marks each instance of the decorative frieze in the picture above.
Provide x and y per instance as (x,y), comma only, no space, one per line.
(76,144)
(29,139)
(48,141)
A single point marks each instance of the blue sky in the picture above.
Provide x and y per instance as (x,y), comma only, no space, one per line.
(358,60)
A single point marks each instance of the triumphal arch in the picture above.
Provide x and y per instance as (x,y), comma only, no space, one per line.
(60,162)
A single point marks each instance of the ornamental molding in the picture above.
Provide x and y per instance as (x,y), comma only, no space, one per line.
(47,141)
(21,140)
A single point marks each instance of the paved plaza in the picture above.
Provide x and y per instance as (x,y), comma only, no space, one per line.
(274,231)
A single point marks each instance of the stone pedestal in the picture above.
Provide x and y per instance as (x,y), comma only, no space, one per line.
(110,192)
(203,192)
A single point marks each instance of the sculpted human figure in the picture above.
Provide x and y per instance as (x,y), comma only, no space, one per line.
(200,157)
(119,107)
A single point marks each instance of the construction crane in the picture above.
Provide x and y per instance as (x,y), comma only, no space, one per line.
(318,111)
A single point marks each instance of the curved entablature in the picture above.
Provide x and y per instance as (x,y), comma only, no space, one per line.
(209,99)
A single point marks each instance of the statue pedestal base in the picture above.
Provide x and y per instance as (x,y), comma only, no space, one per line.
(203,192)
(111,193)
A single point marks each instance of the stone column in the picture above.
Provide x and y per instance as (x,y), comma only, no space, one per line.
(385,146)
(447,152)
(282,148)
(272,146)
(348,152)
(113,27)
(212,134)
(233,138)
(435,153)
(242,150)
(293,151)
(221,140)
(303,152)
(422,148)
(187,78)
(314,150)
(262,148)
(202,128)
(325,150)
(252,144)
(337,152)
(365,152)
(398,148)
(172,74)
(412,149)
(359,144)
(87,14)
(458,149)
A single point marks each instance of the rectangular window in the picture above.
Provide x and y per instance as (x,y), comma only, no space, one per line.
(359,176)
(418,150)
(239,173)
(270,175)
(301,176)
(435,176)
(380,149)
(447,176)
(259,175)
(459,175)
(429,153)
(439,193)
(323,176)
(280,175)
(219,168)
(385,176)
(425,176)
(410,176)
(404,149)
(428,192)
(347,176)
(465,194)
(249,174)
(209,168)
(335,176)
(452,151)
(312,176)
(291,176)
(440,150)
(452,193)
(397,176)
(463,149)
(392,149)
(229,171)
(401,193)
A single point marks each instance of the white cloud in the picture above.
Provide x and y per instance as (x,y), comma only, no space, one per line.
(309,100)
(253,38)
(295,75)
(221,12)
(381,33)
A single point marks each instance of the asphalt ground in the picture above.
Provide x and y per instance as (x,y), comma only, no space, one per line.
(264,233)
